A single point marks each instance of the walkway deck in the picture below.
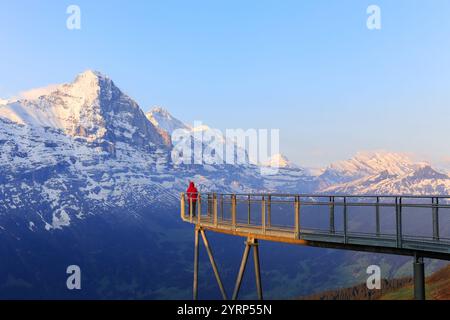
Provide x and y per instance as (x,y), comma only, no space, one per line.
(223,213)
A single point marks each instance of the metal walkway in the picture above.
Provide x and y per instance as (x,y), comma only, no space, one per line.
(379,224)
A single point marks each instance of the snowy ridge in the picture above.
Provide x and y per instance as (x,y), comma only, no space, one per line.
(367,164)
(423,181)
(37,93)
(279,160)
(202,134)
(162,119)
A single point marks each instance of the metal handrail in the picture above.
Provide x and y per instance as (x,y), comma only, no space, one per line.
(308,195)
(348,204)
(217,201)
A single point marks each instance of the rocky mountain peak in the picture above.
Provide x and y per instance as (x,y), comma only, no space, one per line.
(91,107)
(162,119)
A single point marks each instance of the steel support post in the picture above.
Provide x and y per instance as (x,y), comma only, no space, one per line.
(435,214)
(377,218)
(297,217)
(221,207)
(233,210)
(263,215)
(249,209)
(215,218)
(419,278)
(398,214)
(345,221)
(400,219)
(332,228)
(196,254)
(199,209)
(191,210)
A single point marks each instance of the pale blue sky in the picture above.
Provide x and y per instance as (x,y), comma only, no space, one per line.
(310,68)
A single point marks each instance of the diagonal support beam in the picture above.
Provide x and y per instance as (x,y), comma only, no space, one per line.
(213,264)
(257,269)
(241,271)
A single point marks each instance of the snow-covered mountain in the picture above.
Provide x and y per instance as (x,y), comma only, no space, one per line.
(86,148)
(201,134)
(83,148)
(365,164)
(421,181)
(91,107)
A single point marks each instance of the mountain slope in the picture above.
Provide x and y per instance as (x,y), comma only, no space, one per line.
(437,288)
(163,120)
(360,292)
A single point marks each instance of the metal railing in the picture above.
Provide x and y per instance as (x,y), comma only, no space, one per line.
(286,216)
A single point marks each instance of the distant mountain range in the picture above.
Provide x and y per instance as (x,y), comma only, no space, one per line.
(385,173)
(86,146)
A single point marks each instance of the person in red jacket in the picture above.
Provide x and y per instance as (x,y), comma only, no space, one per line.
(192,196)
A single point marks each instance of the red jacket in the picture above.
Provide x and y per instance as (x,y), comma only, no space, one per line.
(192,192)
